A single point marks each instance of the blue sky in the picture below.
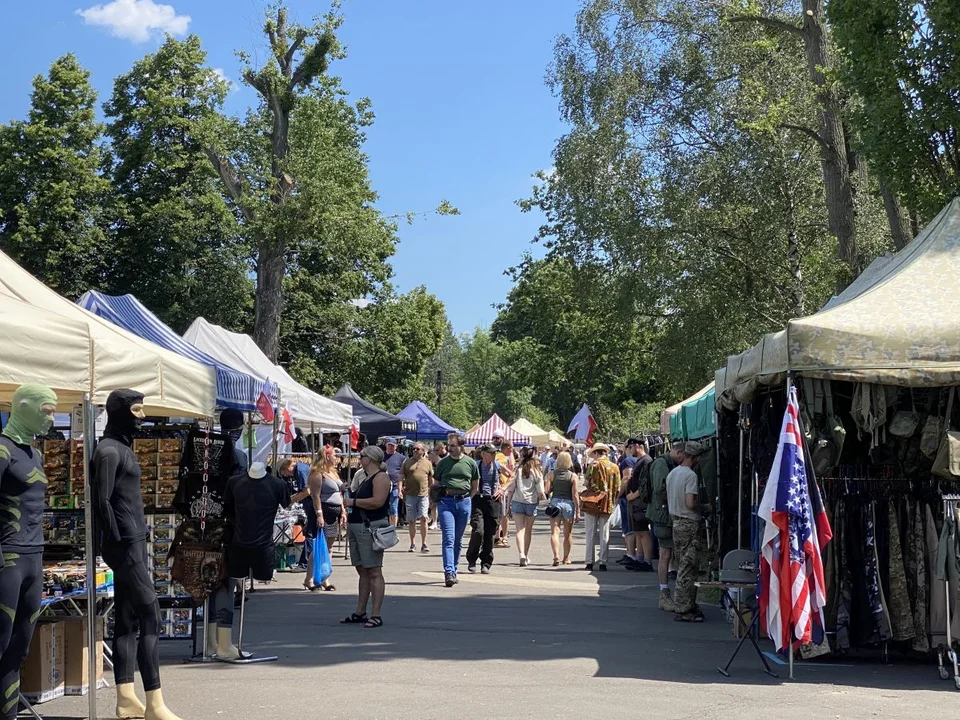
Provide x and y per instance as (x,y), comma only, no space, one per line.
(457,87)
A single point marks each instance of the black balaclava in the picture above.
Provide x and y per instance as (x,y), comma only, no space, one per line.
(231,422)
(122,424)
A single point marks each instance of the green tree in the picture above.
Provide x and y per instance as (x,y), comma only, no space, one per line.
(54,204)
(901,60)
(294,199)
(178,246)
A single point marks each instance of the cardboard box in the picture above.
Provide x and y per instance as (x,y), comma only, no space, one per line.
(41,677)
(77,658)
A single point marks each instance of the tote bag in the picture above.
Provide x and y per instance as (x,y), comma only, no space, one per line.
(322,568)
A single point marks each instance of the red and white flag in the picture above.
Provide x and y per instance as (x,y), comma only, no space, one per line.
(289,431)
(583,425)
(265,406)
(792,586)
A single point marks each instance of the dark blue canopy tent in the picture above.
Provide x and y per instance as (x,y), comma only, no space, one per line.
(429,426)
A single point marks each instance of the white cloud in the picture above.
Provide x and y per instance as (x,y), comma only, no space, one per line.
(231,85)
(136,20)
(361,302)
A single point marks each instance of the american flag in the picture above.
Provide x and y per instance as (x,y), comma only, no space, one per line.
(792,587)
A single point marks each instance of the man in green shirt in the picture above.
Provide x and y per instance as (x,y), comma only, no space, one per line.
(458,478)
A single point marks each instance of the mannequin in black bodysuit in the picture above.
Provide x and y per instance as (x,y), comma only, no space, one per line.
(23,486)
(118,506)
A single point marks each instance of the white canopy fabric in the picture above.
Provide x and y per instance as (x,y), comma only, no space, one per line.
(171,384)
(27,336)
(241,352)
(674,409)
(900,325)
(538,436)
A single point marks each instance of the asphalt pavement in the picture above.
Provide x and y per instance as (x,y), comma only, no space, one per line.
(533,642)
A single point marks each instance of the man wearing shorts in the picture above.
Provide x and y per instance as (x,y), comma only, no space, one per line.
(659,513)
(416,474)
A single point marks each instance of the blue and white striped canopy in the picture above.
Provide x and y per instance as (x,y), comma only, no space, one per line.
(234,388)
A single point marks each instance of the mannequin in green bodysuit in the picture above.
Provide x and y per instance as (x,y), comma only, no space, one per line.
(23,487)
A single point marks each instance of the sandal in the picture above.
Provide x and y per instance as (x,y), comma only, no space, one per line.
(556,562)
(328,588)
(375,621)
(354,619)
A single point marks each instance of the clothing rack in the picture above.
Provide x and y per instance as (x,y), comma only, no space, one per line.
(950,504)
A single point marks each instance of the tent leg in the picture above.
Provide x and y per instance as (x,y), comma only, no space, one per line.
(91,560)
(250,437)
(740,485)
(313,445)
(276,430)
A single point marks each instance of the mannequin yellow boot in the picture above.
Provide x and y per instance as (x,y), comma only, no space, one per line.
(211,639)
(128,704)
(226,650)
(156,710)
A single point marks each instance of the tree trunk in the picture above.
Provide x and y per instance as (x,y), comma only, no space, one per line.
(793,253)
(899,221)
(271,266)
(838,187)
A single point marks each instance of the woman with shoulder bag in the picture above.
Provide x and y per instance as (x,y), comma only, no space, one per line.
(366,522)
(564,508)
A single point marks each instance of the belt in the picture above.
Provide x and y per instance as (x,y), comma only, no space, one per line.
(452,494)
(678,517)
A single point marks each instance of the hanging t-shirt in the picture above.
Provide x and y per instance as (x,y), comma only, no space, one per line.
(252,505)
(189,498)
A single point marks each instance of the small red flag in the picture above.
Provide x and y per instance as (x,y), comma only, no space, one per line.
(265,407)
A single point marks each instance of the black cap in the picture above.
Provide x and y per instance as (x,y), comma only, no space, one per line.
(634,441)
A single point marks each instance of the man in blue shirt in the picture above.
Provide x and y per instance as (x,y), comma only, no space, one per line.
(485,511)
(394,462)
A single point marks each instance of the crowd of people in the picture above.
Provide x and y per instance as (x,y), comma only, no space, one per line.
(450,487)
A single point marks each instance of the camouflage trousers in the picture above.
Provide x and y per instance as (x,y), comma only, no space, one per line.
(686,554)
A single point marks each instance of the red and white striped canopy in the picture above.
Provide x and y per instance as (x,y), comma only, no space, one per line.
(484,434)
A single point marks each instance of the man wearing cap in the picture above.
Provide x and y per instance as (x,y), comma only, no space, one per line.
(683,494)
(394,462)
(642,539)
(602,477)
(485,511)
(626,463)
(659,512)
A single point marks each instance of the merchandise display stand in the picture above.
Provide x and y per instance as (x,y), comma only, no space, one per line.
(246,658)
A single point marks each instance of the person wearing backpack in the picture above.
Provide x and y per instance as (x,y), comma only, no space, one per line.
(654,493)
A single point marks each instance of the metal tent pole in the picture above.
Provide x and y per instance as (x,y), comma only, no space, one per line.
(313,445)
(740,485)
(250,438)
(91,560)
(276,429)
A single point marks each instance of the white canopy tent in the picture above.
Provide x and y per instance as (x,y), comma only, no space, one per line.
(898,324)
(171,384)
(241,352)
(538,436)
(24,330)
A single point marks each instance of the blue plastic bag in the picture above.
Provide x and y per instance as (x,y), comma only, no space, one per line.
(322,569)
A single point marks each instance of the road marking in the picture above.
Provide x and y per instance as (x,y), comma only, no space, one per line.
(577,586)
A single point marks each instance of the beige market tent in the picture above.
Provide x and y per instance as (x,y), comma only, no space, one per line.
(898,326)
(171,384)
(538,436)
(25,328)
(674,409)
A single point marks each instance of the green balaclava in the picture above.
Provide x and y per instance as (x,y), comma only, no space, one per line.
(26,417)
